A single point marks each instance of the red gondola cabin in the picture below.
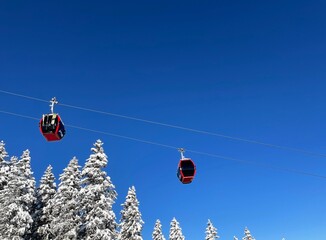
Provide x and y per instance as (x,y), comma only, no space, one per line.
(186,170)
(52,127)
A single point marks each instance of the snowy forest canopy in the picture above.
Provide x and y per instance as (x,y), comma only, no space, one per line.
(80,207)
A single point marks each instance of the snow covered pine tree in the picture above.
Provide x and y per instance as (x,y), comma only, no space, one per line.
(131,223)
(65,212)
(211,231)
(4,166)
(43,207)
(96,198)
(175,231)
(157,233)
(28,195)
(16,200)
(247,235)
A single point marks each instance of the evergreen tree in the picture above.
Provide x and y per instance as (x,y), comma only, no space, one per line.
(15,218)
(43,206)
(4,166)
(26,174)
(247,235)
(157,233)
(175,231)
(211,231)
(97,197)
(65,218)
(131,221)
(3,153)
(27,194)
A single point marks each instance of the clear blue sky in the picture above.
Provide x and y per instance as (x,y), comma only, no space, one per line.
(248,69)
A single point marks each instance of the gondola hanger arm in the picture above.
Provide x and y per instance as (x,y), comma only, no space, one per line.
(182,150)
(53,101)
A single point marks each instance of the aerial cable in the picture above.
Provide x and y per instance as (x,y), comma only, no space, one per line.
(121,136)
(177,127)
(24,96)
(258,164)
(188,150)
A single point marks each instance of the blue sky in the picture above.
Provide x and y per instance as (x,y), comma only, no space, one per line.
(248,69)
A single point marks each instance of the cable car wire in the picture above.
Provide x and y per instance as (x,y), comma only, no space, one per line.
(188,150)
(176,127)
